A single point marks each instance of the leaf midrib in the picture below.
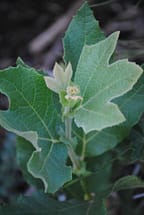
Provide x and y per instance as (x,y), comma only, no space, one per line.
(104,89)
(36,113)
(34,110)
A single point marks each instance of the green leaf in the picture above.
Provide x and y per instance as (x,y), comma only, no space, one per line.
(137,146)
(132,106)
(99,180)
(49,166)
(100,82)
(20,62)
(127,182)
(32,115)
(44,205)
(62,78)
(83,29)
(24,150)
(134,146)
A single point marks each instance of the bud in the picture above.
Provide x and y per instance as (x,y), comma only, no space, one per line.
(74,98)
(72,90)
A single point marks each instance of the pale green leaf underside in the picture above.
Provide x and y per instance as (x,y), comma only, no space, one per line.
(100,82)
(32,115)
(132,105)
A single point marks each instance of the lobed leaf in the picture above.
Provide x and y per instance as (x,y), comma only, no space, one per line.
(101,82)
(83,29)
(32,115)
(132,105)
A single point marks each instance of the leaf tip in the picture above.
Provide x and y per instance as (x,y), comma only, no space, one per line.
(114,36)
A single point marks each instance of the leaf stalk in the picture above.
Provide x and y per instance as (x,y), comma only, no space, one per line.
(68,130)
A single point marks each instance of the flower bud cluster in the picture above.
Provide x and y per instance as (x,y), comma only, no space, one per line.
(72,93)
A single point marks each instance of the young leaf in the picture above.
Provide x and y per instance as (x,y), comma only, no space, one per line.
(42,204)
(84,29)
(127,182)
(132,105)
(100,82)
(32,115)
(61,79)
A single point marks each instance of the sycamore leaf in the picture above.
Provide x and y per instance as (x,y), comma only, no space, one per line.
(40,204)
(132,105)
(32,115)
(100,82)
(83,29)
(128,182)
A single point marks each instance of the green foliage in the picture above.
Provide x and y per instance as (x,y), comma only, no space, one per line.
(127,182)
(24,151)
(9,177)
(132,106)
(83,29)
(33,116)
(100,83)
(65,137)
(44,205)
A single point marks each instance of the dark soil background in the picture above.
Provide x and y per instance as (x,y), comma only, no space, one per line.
(22,21)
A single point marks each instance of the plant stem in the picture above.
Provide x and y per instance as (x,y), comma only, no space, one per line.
(72,155)
(68,128)
(74,158)
(83,148)
(87,195)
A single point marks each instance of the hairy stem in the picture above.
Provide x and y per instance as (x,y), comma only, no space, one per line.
(74,158)
(68,128)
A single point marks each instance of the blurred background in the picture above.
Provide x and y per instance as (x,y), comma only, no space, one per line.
(33,30)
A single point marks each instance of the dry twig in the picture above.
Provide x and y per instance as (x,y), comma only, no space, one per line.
(45,38)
